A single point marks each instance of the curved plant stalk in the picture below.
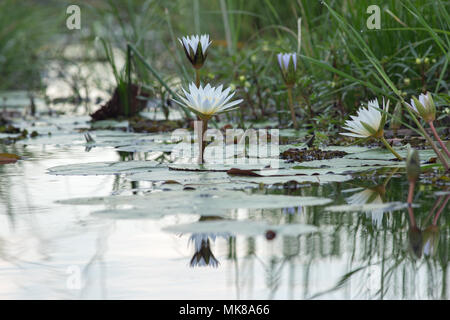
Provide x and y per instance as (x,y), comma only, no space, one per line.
(390,148)
(291,106)
(438,138)
(427,137)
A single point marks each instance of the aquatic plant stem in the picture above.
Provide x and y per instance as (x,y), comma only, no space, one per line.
(291,106)
(438,138)
(436,217)
(201,129)
(390,148)
(197,78)
(427,136)
(412,184)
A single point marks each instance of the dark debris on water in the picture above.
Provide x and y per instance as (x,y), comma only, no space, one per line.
(298,155)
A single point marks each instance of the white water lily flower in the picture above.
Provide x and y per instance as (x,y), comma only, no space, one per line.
(368,122)
(424,106)
(196,48)
(208,101)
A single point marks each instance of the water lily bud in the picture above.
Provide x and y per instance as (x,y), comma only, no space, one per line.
(196,49)
(412,165)
(430,240)
(418,61)
(424,107)
(288,66)
(415,241)
(407,81)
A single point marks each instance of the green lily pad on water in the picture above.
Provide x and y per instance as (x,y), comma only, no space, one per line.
(383,154)
(355,164)
(381,207)
(321,179)
(182,177)
(103,168)
(241,227)
(195,202)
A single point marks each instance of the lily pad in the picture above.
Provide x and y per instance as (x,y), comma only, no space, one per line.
(383,154)
(382,207)
(241,227)
(104,168)
(183,177)
(196,202)
(321,179)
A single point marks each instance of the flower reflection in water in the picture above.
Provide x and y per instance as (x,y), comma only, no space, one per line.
(203,255)
(372,196)
(426,241)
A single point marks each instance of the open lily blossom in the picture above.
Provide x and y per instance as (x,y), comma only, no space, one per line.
(368,122)
(424,106)
(208,101)
(196,48)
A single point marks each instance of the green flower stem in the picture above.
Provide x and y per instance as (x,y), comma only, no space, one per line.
(201,141)
(427,137)
(197,78)
(291,106)
(390,148)
(438,139)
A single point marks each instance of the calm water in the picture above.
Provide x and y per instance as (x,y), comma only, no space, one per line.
(48,249)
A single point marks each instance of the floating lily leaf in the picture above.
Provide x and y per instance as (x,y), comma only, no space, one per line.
(356,164)
(104,168)
(382,207)
(241,227)
(197,202)
(148,147)
(382,154)
(219,167)
(183,177)
(322,179)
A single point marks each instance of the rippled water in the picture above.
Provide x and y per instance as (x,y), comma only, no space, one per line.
(53,251)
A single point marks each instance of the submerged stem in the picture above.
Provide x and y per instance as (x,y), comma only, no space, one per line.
(390,148)
(438,138)
(291,106)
